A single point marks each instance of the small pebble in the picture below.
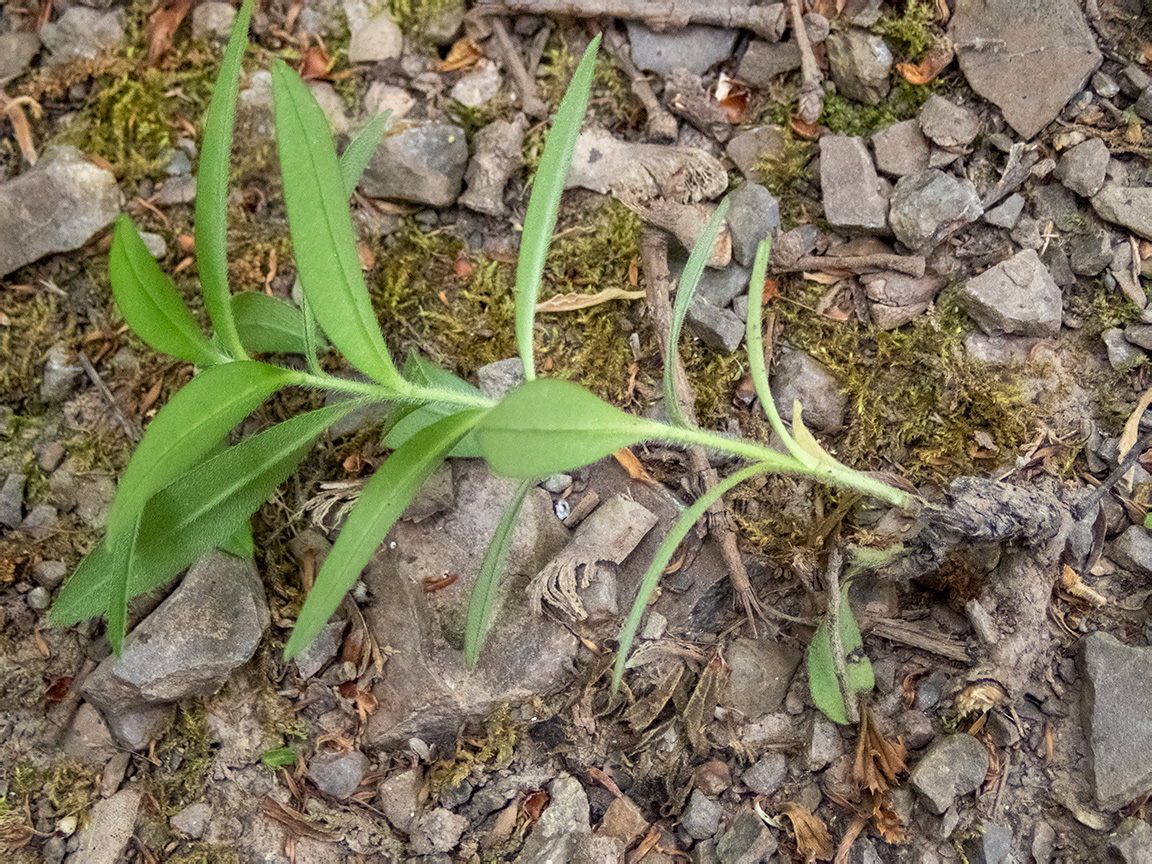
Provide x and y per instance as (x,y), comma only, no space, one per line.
(38,599)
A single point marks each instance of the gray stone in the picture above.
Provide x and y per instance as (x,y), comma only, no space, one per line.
(332,106)
(1082,168)
(497,379)
(50,574)
(1026,235)
(423,163)
(1122,354)
(59,375)
(94,493)
(823,744)
(695,48)
(797,376)
(12,500)
(946,123)
(110,827)
(767,775)
(1056,260)
(1118,709)
(719,329)
(212,21)
(1105,85)
(1130,207)
(191,643)
(897,298)
(41,521)
(753,215)
(399,798)
(54,207)
(1016,296)
(901,149)
(177,190)
(54,850)
(155,244)
(598,849)
(556,834)
(720,287)
(38,598)
(443,25)
(1139,334)
(764,61)
(1044,54)
(1131,843)
(82,33)
(323,648)
(478,86)
(1132,550)
(374,38)
(760,672)
(1056,204)
(193,819)
(438,830)
(1089,254)
(338,774)
(991,845)
(16,52)
(88,738)
(854,195)
(930,205)
(701,818)
(1133,80)
(860,62)
(747,841)
(498,155)
(955,765)
(1143,105)
(748,148)
(1005,215)
(1043,843)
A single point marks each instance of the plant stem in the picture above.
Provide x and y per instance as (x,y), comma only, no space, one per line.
(380,393)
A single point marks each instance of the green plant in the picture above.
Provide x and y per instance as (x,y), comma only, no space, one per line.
(185,492)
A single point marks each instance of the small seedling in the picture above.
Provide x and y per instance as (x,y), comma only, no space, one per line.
(185,492)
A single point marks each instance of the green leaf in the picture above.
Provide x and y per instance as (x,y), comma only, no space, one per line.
(547,426)
(382,502)
(321,228)
(822,681)
(689,279)
(664,553)
(412,422)
(358,153)
(147,299)
(486,591)
(268,324)
(241,543)
(1148,520)
(212,187)
(281,757)
(85,594)
(545,202)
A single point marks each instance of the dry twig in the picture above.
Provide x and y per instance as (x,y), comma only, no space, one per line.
(661,125)
(811,93)
(530,100)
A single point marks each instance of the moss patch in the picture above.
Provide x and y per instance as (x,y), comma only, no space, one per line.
(185,757)
(844,117)
(494,751)
(790,179)
(911,33)
(30,324)
(70,788)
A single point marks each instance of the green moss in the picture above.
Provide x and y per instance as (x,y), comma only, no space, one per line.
(1099,309)
(789,178)
(844,117)
(70,788)
(203,853)
(492,752)
(185,755)
(32,323)
(414,15)
(912,33)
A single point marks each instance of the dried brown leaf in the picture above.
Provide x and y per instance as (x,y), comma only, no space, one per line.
(162,25)
(812,838)
(879,762)
(844,850)
(463,55)
(888,824)
(934,62)
(575,300)
(631,464)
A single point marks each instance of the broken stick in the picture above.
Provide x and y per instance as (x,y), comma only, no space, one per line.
(661,125)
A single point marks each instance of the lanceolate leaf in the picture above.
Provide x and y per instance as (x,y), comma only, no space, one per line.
(545,202)
(485,592)
(822,681)
(212,187)
(548,425)
(383,500)
(149,303)
(321,228)
(358,153)
(268,324)
(86,593)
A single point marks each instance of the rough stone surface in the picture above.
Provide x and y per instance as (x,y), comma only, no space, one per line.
(1082,168)
(12,500)
(1044,55)
(193,819)
(799,376)
(598,849)
(556,834)
(498,378)
(746,841)
(623,821)
(701,818)
(374,38)
(82,33)
(60,375)
(854,195)
(763,61)
(1132,550)
(1016,296)
(212,20)
(1130,207)
(1090,253)
(338,774)
(1006,214)
(721,287)
(111,826)
(438,830)
(719,329)
(423,163)
(953,766)
(760,672)
(991,845)
(695,48)
(1131,843)
(897,298)
(1122,354)
(189,646)
(901,149)
(860,62)
(88,738)
(747,148)
(16,52)
(753,215)
(55,207)
(946,123)
(399,797)
(930,205)
(479,85)
(767,775)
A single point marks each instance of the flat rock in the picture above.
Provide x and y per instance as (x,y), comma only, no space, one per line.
(1118,708)
(212,20)
(374,37)
(338,774)
(54,207)
(437,830)
(860,62)
(930,205)
(82,33)
(767,775)
(701,818)
(695,48)
(399,798)
(719,329)
(193,819)
(1131,843)
(479,85)
(111,825)
(421,162)
(946,123)
(1130,207)
(556,833)
(897,298)
(748,148)
(1027,57)
(901,149)
(955,765)
(747,840)
(991,845)
(1122,354)
(190,644)
(1082,168)
(764,61)
(797,376)
(753,215)
(1016,296)
(16,52)
(496,379)
(1006,214)
(1132,550)
(12,499)
(1090,253)
(760,672)
(854,195)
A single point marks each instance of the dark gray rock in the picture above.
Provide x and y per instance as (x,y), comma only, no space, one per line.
(797,376)
(823,744)
(1132,550)
(323,648)
(753,215)
(1056,260)
(1143,105)
(1082,168)
(897,298)
(82,33)
(854,195)
(1139,334)
(760,672)
(954,766)
(747,148)
(701,818)
(498,155)
(41,521)
(1122,354)
(1043,843)
(1090,253)
(191,643)
(1045,53)
(438,830)
(1005,215)
(767,775)
(1016,296)
(193,819)
(1026,235)
(338,774)
(901,149)
(764,61)
(1057,204)
(719,329)
(1133,81)
(55,207)
(946,123)
(746,841)
(1118,709)
(556,834)
(721,287)
(12,500)
(929,206)
(1130,207)
(110,827)
(695,48)
(498,378)
(60,376)
(1105,85)
(860,62)
(991,845)
(16,52)
(1131,843)
(421,162)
